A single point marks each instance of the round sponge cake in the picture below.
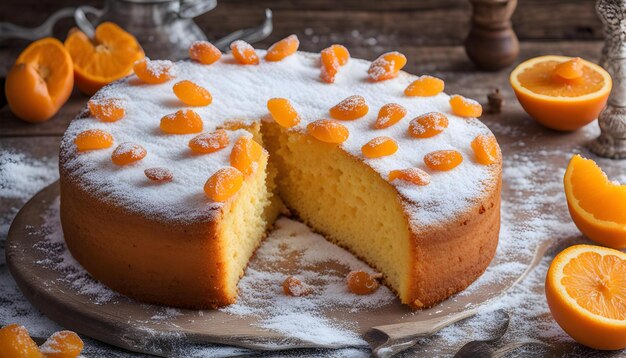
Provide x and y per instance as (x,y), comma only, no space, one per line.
(168,243)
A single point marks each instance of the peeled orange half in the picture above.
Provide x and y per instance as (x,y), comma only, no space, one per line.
(40,81)
(562,93)
(597,205)
(107,57)
(586,293)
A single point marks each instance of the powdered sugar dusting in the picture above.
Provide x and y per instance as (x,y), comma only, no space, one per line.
(158,68)
(241,94)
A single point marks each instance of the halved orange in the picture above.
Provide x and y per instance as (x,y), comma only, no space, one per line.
(586,293)
(107,57)
(40,81)
(558,102)
(597,205)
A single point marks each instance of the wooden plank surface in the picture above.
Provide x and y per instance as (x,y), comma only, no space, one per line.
(355,22)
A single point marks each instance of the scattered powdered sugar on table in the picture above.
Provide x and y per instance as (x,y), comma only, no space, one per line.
(292,249)
(21,177)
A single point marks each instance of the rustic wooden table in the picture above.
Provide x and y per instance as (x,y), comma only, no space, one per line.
(429,32)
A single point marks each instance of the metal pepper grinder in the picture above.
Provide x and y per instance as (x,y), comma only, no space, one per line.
(612,120)
(492,43)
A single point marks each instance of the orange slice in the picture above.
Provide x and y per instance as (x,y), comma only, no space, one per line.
(107,57)
(40,81)
(597,205)
(586,293)
(558,102)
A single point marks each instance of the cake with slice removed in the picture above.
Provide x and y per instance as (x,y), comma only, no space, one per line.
(408,183)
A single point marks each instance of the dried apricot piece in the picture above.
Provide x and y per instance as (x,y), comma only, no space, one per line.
(425,86)
(192,94)
(245,155)
(341,53)
(328,131)
(159,174)
(486,149)
(244,53)
(412,175)
(362,283)
(222,185)
(465,107)
(428,125)
(571,69)
(204,52)
(127,153)
(443,160)
(16,342)
(154,71)
(387,66)
(379,147)
(292,286)
(184,121)
(350,108)
(283,112)
(209,142)
(62,344)
(106,109)
(389,114)
(330,65)
(92,139)
(283,48)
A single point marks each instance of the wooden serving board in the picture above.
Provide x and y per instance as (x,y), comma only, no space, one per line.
(131,325)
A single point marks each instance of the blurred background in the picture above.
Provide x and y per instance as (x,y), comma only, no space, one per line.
(366,27)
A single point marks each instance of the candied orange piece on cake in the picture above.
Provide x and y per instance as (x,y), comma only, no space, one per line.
(586,290)
(330,65)
(389,114)
(443,160)
(283,112)
(92,139)
(62,344)
(465,107)
(244,53)
(387,66)
(16,342)
(350,108)
(596,203)
(362,283)
(412,175)
(192,94)
(570,69)
(342,53)
(486,149)
(184,121)
(225,183)
(204,52)
(379,147)
(209,142)
(428,125)
(292,286)
(159,174)
(154,71)
(127,153)
(283,48)
(425,86)
(331,59)
(245,155)
(328,131)
(106,109)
